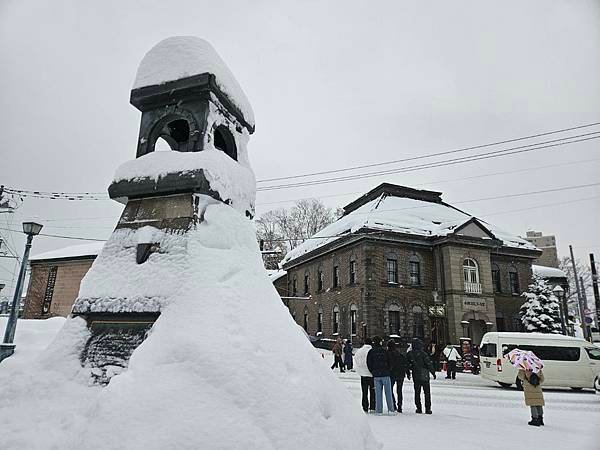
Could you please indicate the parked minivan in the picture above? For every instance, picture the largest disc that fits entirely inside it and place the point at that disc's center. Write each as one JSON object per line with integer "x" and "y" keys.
{"x": 568, "y": 361}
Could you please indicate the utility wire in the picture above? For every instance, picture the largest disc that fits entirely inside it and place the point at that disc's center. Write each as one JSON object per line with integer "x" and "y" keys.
{"x": 431, "y": 155}
{"x": 448, "y": 162}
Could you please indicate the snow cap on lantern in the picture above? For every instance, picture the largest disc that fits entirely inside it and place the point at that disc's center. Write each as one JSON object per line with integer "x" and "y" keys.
{"x": 190, "y": 99}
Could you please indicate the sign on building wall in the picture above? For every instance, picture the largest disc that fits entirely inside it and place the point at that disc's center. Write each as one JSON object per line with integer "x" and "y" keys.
{"x": 476, "y": 304}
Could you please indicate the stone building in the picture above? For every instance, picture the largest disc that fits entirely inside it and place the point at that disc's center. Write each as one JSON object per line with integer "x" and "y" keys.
{"x": 401, "y": 262}
{"x": 55, "y": 279}
{"x": 547, "y": 244}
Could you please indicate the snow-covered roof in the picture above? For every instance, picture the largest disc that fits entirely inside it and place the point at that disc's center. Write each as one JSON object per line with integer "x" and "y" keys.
{"x": 275, "y": 275}
{"x": 73, "y": 251}
{"x": 401, "y": 215}
{"x": 180, "y": 57}
{"x": 547, "y": 272}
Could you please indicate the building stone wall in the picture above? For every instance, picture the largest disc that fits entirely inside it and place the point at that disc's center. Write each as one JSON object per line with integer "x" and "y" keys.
{"x": 66, "y": 287}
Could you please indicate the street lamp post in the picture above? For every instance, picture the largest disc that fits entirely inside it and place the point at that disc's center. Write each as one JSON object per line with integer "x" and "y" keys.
{"x": 564, "y": 314}
{"x": 7, "y": 348}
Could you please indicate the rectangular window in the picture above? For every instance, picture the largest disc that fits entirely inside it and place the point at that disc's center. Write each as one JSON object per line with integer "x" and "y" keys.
{"x": 546, "y": 352}
{"x": 353, "y": 322}
{"x": 336, "y": 322}
{"x": 418, "y": 326}
{"x": 496, "y": 280}
{"x": 352, "y": 272}
{"x": 488, "y": 350}
{"x": 415, "y": 273}
{"x": 294, "y": 287}
{"x": 306, "y": 322}
{"x": 392, "y": 271}
{"x": 394, "y": 320}
{"x": 320, "y": 280}
{"x": 49, "y": 290}
{"x": 320, "y": 322}
{"x": 514, "y": 282}
{"x": 306, "y": 281}
{"x": 336, "y": 276}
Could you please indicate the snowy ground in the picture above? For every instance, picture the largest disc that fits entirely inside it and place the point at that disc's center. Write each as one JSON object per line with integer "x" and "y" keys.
{"x": 468, "y": 413}
{"x": 473, "y": 413}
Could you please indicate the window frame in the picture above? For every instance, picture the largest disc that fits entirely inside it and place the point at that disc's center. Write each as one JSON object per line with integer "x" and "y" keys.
{"x": 391, "y": 272}
{"x": 412, "y": 274}
{"x": 320, "y": 279}
{"x": 336, "y": 276}
{"x": 335, "y": 320}
{"x": 496, "y": 279}
{"x": 352, "y": 272}
{"x": 470, "y": 270}
{"x": 513, "y": 281}
{"x": 306, "y": 283}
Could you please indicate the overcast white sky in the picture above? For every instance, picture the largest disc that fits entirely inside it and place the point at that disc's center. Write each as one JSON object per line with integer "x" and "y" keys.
{"x": 333, "y": 84}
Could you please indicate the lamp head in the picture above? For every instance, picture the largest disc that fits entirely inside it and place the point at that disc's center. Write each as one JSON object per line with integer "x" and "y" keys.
{"x": 32, "y": 228}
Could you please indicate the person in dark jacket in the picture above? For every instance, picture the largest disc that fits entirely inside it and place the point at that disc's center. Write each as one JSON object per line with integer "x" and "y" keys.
{"x": 378, "y": 362}
{"x": 399, "y": 369}
{"x": 348, "y": 355}
{"x": 337, "y": 355}
{"x": 420, "y": 366}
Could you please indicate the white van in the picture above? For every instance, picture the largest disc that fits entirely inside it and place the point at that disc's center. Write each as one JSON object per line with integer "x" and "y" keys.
{"x": 568, "y": 361}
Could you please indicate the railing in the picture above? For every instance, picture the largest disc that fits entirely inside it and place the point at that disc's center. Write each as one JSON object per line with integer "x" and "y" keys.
{"x": 472, "y": 288}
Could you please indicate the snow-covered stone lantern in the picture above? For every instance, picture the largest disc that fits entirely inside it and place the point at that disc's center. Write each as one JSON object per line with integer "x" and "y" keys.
{"x": 188, "y": 98}
{"x": 177, "y": 324}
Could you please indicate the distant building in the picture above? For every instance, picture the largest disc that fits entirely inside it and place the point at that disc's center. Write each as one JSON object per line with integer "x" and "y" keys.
{"x": 55, "y": 279}
{"x": 547, "y": 244}
{"x": 401, "y": 262}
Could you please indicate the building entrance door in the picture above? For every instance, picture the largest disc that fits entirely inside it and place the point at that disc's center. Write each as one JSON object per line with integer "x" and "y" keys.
{"x": 477, "y": 329}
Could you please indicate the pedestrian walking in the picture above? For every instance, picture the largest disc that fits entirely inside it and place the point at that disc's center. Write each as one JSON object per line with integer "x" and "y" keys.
{"x": 378, "y": 362}
{"x": 420, "y": 367}
{"x": 399, "y": 370}
{"x": 348, "y": 355}
{"x": 337, "y": 355}
{"x": 452, "y": 356}
{"x": 367, "y": 385}
{"x": 534, "y": 397}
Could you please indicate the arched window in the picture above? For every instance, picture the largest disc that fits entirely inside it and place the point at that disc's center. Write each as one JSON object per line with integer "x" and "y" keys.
{"x": 336, "y": 319}
{"x": 224, "y": 141}
{"x": 393, "y": 313}
{"x": 320, "y": 320}
{"x": 320, "y": 279}
{"x": 471, "y": 276}
{"x": 496, "y": 278}
{"x": 294, "y": 286}
{"x": 353, "y": 317}
{"x": 306, "y": 283}
{"x": 513, "y": 280}
{"x": 305, "y": 321}
{"x": 418, "y": 322}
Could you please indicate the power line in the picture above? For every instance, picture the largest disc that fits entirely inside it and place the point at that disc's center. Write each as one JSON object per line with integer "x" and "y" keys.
{"x": 431, "y": 155}
{"x": 449, "y": 162}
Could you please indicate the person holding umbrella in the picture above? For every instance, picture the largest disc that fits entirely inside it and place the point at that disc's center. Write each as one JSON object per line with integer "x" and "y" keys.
{"x": 531, "y": 376}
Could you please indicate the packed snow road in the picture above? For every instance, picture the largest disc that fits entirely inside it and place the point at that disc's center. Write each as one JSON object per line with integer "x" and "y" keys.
{"x": 473, "y": 413}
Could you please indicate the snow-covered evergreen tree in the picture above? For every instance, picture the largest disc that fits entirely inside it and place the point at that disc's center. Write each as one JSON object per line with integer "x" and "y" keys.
{"x": 540, "y": 313}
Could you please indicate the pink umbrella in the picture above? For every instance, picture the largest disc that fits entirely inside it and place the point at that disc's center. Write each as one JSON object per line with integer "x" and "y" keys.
{"x": 525, "y": 359}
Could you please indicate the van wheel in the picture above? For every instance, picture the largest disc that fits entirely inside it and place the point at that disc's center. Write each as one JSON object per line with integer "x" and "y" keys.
{"x": 576, "y": 388}
{"x": 597, "y": 384}
{"x": 519, "y": 384}
{"x": 504, "y": 385}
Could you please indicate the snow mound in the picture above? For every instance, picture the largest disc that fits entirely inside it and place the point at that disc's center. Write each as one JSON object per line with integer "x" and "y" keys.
{"x": 548, "y": 272}
{"x": 225, "y": 366}
{"x": 185, "y": 56}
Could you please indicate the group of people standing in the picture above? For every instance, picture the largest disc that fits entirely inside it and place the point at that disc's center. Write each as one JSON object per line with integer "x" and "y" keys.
{"x": 342, "y": 355}
{"x": 381, "y": 369}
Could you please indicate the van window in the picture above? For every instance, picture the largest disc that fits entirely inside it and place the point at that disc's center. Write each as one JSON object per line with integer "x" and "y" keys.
{"x": 593, "y": 353}
{"x": 546, "y": 352}
{"x": 488, "y": 350}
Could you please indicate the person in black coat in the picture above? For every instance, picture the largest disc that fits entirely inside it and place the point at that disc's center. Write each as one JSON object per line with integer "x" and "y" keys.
{"x": 348, "y": 362}
{"x": 378, "y": 362}
{"x": 399, "y": 370}
{"x": 420, "y": 366}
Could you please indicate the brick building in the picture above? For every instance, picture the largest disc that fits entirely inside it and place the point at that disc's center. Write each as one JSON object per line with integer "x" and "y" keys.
{"x": 401, "y": 262}
{"x": 55, "y": 279}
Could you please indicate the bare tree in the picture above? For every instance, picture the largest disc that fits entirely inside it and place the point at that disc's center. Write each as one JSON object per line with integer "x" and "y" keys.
{"x": 285, "y": 229}
{"x": 585, "y": 273}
